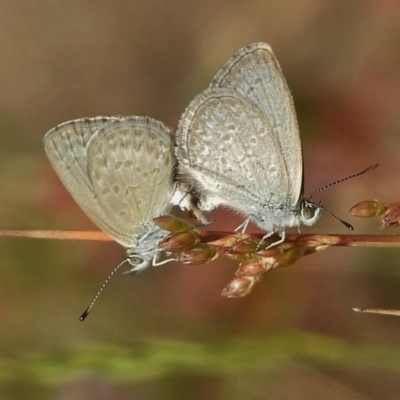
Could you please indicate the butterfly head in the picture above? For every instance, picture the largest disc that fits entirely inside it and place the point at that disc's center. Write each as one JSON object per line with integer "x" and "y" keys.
{"x": 273, "y": 219}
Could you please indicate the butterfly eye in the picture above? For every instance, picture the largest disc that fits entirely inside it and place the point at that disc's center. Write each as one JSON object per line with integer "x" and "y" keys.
{"x": 135, "y": 260}
{"x": 308, "y": 211}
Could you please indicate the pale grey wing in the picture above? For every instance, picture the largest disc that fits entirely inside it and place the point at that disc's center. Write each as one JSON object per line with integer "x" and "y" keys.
{"x": 225, "y": 149}
{"x": 254, "y": 72}
{"x": 130, "y": 165}
{"x": 66, "y": 148}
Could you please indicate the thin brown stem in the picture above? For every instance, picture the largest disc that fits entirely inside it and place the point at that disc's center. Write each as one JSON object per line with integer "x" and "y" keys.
{"x": 330, "y": 240}
{"x": 65, "y": 235}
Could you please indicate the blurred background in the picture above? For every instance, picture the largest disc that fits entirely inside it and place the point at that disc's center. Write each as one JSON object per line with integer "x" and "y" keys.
{"x": 167, "y": 333}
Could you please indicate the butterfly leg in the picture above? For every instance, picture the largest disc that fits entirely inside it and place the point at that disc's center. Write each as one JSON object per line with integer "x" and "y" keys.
{"x": 184, "y": 199}
{"x": 243, "y": 226}
{"x": 281, "y": 240}
{"x": 156, "y": 263}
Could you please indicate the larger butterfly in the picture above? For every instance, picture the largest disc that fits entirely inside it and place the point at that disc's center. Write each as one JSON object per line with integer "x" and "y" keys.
{"x": 238, "y": 145}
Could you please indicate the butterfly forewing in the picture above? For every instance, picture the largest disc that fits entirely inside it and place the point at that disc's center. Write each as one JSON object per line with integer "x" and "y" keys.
{"x": 254, "y": 72}
{"x": 130, "y": 168}
{"x": 216, "y": 147}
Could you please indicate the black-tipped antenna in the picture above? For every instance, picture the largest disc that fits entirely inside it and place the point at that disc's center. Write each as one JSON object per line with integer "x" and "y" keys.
{"x": 372, "y": 167}
{"x": 87, "y": 311}
{"x": 346, "y": 224}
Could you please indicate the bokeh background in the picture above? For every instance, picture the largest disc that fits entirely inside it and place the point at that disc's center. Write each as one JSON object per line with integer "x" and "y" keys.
{"x": 166, "y": 333}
